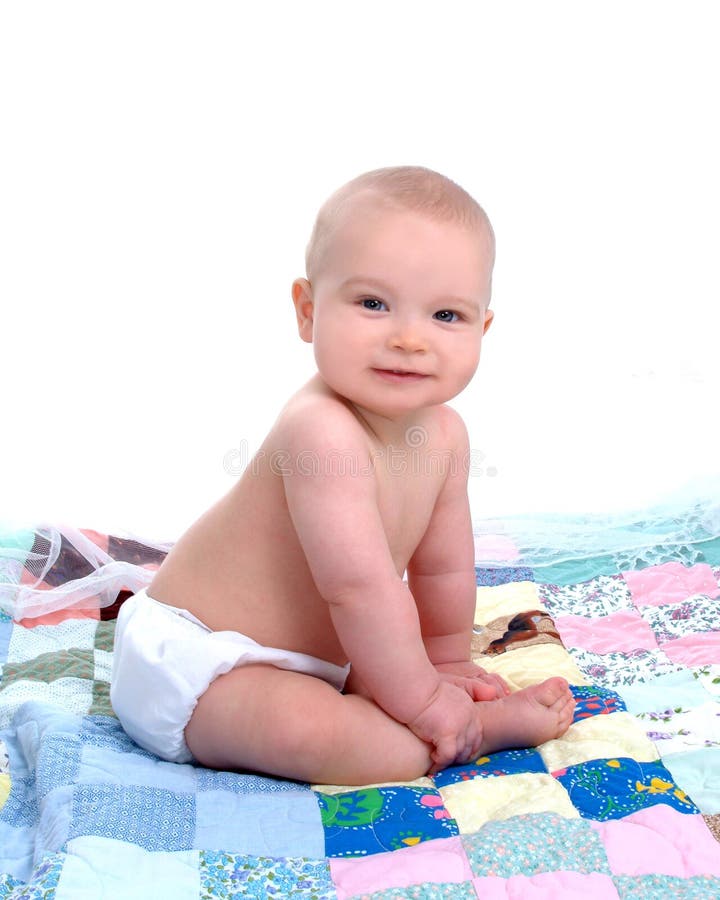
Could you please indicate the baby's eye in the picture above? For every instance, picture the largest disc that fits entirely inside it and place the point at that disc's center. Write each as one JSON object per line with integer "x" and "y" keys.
{"x": 373, "y": 303}
{"x": 446, "y": 315}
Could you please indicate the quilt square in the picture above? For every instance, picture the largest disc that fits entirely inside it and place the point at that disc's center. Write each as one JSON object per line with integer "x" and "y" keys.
{"x": 612, "y": 788}
{"x": 616, "y": 670}
{"x": 21, "y": 807}
{"x": 695, "y": 615}
{"x": 592, "y": 700}
{"x": 48, "y": 667}
{"x": 671, "y": 582}
{"x": 695, "y": 649}
{"x": 601, "y": 596}
{"x": 709, "y": 677}
{"x": 149, "y": 817}
{"x": 599, "y": 737}
{"x": 100, "y": 704}
{"x": 492, "y": 576}
{"x": 226, "y": 875}
{"x": 530, "y": 844}
{"x": 505, "y": 600}
{"x": 681, "y": 688}
{"x": 102, "y": 765}
{"x": 505, "y": 762}
{"x": 73, "y": 695}
{"x": 442, "y": 861}
{"x": 43, "y": 883}
{"x": 534, "y": 626}
{"x": 532, "y": 664}
{"x": 58, "y": 762}
{"x": 105, "y": 636}
{"x": 373, "y": 820}
{"x": 620, "y": 632}
{"x": 659, "y": 840}
{"x": 30, "y": 643}
{"x": 276, "y": 824}
{"x": 677, "y": 729}
{"x": 698, "y": 771}
{"x": 474, "y": 803}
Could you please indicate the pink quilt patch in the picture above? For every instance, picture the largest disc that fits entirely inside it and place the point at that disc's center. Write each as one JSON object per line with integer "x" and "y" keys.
{"x": 695, "y": 649}
{"x": 659, "y": 840}
{"x": 621, "y": 632}
{"x": 496, "y": 547}
{"x": 670, "y": 583}
{"x": 441, "y": 860}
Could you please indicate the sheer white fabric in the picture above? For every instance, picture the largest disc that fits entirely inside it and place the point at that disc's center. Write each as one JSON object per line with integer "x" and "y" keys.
{"x": 30, "y": 554}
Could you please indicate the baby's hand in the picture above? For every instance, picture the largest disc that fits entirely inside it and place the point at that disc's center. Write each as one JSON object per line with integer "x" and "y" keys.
{"x": 481, "y": 685}
{"x": 451, "y": 725}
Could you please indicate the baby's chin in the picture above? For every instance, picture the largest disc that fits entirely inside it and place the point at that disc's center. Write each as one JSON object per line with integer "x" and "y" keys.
{"x": 392, "y": 397}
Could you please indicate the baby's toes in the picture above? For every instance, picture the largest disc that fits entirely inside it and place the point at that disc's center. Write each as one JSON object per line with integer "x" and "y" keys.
{"x": 565, "y": 714}
{"x": 554, "y": 693}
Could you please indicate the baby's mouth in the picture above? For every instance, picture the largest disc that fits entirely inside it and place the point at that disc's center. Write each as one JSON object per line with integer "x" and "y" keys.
{"x": 400, "y": 374}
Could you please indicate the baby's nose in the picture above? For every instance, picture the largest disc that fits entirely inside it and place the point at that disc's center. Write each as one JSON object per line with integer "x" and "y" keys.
{"x": 408, "y": 337}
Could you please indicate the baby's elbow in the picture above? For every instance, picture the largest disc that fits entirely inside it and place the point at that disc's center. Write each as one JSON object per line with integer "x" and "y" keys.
{"x": 362, "y": 591}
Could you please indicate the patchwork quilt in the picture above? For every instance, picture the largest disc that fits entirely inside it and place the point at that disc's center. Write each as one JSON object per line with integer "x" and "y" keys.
{"x": 626, "y": 804}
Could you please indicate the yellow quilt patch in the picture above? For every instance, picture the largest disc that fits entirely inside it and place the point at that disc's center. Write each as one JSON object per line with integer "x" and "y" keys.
{"x": 474, "y": 803}
{"x": 599, "y": 737}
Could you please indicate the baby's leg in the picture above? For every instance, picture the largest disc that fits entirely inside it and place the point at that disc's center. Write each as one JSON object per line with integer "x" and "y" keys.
{"x": 295, "y": 726}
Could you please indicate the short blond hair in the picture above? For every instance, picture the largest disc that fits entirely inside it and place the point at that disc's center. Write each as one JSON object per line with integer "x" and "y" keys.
{"x": 413, "y": 188}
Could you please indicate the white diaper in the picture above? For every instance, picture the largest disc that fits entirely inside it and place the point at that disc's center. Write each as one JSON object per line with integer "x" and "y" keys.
{"x": 164, "y": 661}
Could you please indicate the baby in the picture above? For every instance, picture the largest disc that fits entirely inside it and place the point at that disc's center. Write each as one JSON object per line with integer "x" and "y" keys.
{"x": 279, "y": 635}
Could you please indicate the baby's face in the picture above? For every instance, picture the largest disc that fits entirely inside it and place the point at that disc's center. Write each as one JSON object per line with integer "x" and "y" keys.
{"x": 398, "y": 311}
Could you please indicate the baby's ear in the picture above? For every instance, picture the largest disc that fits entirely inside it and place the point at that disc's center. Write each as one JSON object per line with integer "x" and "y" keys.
{"x": 303, "y": 300}
{"x": 489, "y": 316}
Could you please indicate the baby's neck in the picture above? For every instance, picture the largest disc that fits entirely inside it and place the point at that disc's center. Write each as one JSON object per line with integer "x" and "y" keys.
{"x": 392, "y": 432}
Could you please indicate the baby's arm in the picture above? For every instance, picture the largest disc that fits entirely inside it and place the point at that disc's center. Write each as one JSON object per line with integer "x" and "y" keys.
{"x": 333, "y": 506}
{"x": 441, "y": 573}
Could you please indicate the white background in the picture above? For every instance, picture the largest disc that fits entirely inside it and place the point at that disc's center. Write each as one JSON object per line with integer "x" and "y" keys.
{"x": 161, "y": 167}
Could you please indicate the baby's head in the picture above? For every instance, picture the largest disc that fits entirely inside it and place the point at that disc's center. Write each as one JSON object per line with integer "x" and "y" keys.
{"x": 411, "y": 188}
{"x": 395, "y": 303}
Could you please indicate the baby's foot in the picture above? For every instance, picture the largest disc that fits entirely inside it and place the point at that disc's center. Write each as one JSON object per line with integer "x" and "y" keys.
{"x": 527, "y": 718}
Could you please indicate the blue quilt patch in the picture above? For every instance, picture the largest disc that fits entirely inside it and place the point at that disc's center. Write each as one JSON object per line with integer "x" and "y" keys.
{"x": 152, "y": 818}
{"x": 373, "y": 820}
{"x": 612, "y": 788}
{"x": 492, "y": 576}
{"x": 505, "y": 762}
{"x": 227, "y": 875}
{"x": 592, "y": 700}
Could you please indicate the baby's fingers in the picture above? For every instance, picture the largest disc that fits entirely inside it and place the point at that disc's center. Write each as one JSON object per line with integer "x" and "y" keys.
{"x": 444, "y": 755}
{"x": 503, "y": 689}
{"x": 454, "y": 751}
{"x": 480, "y": 689}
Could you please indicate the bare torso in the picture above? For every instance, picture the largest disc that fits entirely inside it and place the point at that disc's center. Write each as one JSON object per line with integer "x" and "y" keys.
{"x": 240, "y": 567}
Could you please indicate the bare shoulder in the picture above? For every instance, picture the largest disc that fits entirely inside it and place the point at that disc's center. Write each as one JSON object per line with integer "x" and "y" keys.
{"x": 317, "y": 419}
{"x": 450, "y": 428}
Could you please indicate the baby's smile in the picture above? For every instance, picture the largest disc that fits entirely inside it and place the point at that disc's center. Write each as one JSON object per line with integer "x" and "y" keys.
{"x": 400, "y": 375}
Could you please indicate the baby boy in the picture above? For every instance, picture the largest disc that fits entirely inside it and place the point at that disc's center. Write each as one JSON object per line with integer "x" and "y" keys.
{"x": 279, "y": 634}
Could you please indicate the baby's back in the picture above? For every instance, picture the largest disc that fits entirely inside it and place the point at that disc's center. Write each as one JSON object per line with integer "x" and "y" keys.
{"x": 241, "y": 566}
